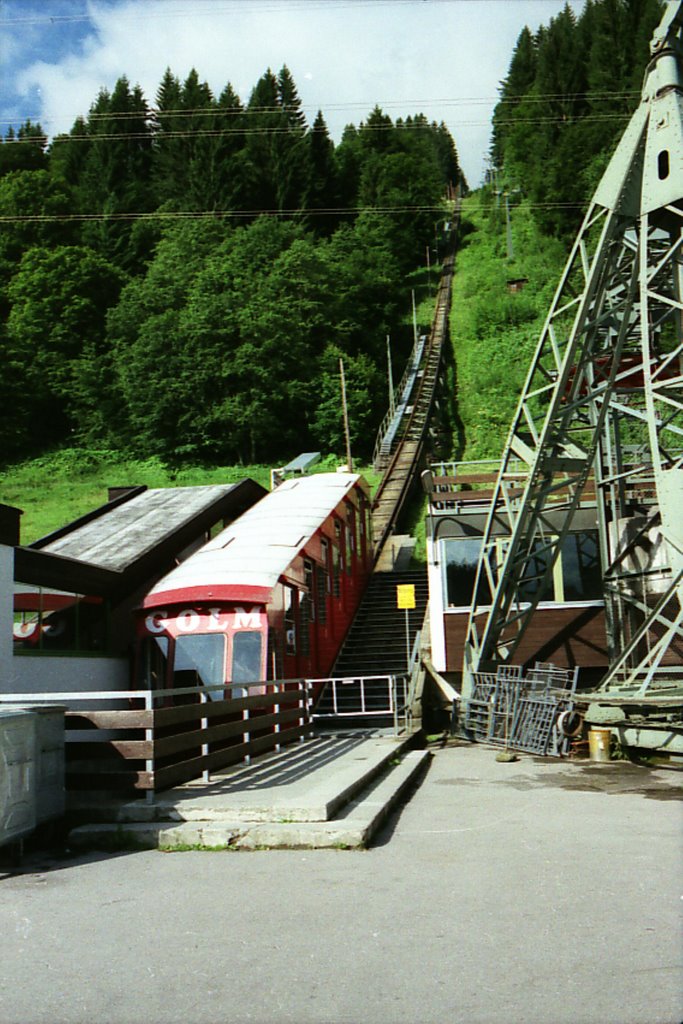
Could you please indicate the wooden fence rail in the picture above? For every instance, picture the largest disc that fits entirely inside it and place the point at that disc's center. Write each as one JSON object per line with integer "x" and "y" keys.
{"x": 153, "y": 747}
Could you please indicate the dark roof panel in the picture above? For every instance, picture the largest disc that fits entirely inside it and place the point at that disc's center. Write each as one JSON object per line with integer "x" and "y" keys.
{"x": 130, "y": 530}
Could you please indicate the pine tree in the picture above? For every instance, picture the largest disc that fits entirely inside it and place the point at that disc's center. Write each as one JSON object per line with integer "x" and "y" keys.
{"x": 230, "y": 147}
{"x": 116, "y": 169}
{"x": 518, "y": 84}
{"x": 323, "y": 186}
{"x": 276, "y": 150}
{"x": 168, "y": 150}
{"x": 23, "y": 150}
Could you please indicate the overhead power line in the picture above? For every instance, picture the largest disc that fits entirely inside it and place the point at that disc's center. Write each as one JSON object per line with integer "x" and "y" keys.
{"x": 239, "y": 111}
{"x": 163, "y": 135}
{"x": 250, "y": 214}
{"x": 229, "y": 6}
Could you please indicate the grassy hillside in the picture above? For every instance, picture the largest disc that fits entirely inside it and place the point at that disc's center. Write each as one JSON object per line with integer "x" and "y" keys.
{"x": 494, "y": 332}
{"x": 57, "y": 488}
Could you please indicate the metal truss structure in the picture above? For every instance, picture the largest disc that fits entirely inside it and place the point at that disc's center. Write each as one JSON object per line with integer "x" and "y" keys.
{"x": 602, "y": 406}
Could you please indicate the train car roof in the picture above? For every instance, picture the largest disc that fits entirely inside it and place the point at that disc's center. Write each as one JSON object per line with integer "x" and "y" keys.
{"x": 247, "y": 559}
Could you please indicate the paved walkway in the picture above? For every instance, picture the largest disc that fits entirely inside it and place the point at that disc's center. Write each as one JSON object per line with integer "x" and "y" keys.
{"x": 525, "y": 893}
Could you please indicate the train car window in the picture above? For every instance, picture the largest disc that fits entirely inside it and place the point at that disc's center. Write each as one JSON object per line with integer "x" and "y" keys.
{"x": 322, "y": 586}
{"x": 350, "y": 539}
{"x": 336, "y": 559}
{"x": 325, "y": 554}
{"x": 360, "y": 519}
{"x": 275, "y": 654}
{"x": 153, "y": 662}
{"x": 309, "y": 582}
{"x": 306, "y": 608}
{"x": 247, "y": 647}
{"x": 290, "y": 620}
{"x": 199, "y": 660}
{"x": 305, "y": 613}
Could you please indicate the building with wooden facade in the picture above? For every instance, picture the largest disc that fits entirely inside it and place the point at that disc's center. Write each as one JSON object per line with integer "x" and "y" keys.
{"x": 568, "y": 626}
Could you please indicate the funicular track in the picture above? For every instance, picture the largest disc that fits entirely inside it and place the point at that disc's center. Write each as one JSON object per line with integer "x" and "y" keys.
{"x": 408, "y": 447}
{"x": 378, "y": 642}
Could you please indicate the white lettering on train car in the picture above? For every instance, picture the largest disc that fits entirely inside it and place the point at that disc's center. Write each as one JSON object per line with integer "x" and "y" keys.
{"x": 187, "y": 621}
{"x": 155, "y": 622}
{"x": 247, "y": 620}
{"x": 215, "y": 621}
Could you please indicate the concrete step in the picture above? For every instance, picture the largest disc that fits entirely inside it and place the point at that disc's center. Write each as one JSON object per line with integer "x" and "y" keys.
{"x": 340, "y": 803}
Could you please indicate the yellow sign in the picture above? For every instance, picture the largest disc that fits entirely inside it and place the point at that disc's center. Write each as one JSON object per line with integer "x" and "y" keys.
{"x": 405, "y": 595}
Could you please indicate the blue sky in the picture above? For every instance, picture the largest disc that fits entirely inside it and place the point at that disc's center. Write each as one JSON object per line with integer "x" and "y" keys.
{"x": 443, "y": 58}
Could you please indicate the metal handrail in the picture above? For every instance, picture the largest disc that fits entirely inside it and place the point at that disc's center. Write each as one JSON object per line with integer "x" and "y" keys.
{"x": 404, "y": 390}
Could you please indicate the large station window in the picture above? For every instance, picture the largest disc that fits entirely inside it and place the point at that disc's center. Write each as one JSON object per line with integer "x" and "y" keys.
{"x": 57, "y": 622}
{"x": 534, "y": 571}
{"x": 575, "y": 577}
{"x": 581, "y": 572}
{"x": 460, "y": 558}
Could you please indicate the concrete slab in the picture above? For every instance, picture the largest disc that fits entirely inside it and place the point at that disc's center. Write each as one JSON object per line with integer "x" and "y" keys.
{"x": 352, "y": 829}
{"x": 304, "y": 782}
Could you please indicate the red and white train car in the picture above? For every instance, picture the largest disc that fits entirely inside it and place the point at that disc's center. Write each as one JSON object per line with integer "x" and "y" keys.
{"x": 270, "y": 597}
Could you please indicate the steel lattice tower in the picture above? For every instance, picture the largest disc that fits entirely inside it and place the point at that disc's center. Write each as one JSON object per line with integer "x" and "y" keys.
{"x": 603, "y": 399}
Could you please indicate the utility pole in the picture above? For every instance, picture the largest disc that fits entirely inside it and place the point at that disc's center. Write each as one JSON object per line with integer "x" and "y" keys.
{"x": 508, "y": 228}
{"x": 392, "y": 404}
{"x": 345, "y": 411}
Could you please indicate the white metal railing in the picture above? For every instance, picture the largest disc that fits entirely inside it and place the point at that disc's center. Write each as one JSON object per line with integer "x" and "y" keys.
{"x": 451, "y": 468}
{"x": 367, "y": 697}
{"x": 389, "y": 424}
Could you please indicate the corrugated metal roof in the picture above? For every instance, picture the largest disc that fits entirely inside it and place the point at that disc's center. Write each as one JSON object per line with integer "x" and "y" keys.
{"x": 257, "y": 548}
{"x": 127, "y": 532}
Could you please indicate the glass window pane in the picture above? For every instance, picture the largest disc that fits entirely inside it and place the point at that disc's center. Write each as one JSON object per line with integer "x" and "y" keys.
{"x": 581, "y": 567}
{"x": 322, "y": 588}
{"x": 290, "y": 621}
{"x": 246, "y": 656}
{"x": 199, "y": 659}
{"x": 534, "y": 570}
{"x": 461, "y": 557}
{"x": 153, "y": 660}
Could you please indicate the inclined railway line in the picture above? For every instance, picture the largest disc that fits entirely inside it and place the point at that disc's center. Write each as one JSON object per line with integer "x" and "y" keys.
{"x": 409, "y": 442}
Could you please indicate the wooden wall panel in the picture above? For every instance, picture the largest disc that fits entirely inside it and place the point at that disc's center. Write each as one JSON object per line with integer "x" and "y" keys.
{"x": 564, "y": 636}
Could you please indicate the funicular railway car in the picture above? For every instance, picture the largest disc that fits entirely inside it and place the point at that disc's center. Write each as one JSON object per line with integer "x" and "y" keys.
{"x": 270, "y": 597}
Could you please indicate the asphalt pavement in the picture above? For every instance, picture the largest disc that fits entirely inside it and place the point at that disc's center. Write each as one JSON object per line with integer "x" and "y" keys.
{"x": 536, "y": 892}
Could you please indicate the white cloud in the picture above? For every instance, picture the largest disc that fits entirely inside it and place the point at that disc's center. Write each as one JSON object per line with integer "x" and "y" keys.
{"x": 344, "y": 57}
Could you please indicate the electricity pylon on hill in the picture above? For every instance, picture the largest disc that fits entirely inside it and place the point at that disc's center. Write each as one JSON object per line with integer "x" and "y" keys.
{"x": 604, "y": 398}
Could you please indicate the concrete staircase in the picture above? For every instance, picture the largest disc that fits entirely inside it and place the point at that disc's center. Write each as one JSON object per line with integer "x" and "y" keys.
{"x": 331, "y": 791}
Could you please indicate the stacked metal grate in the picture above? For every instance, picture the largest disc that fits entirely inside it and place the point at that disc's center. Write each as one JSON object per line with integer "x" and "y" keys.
{"x": 533, "y": 712}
